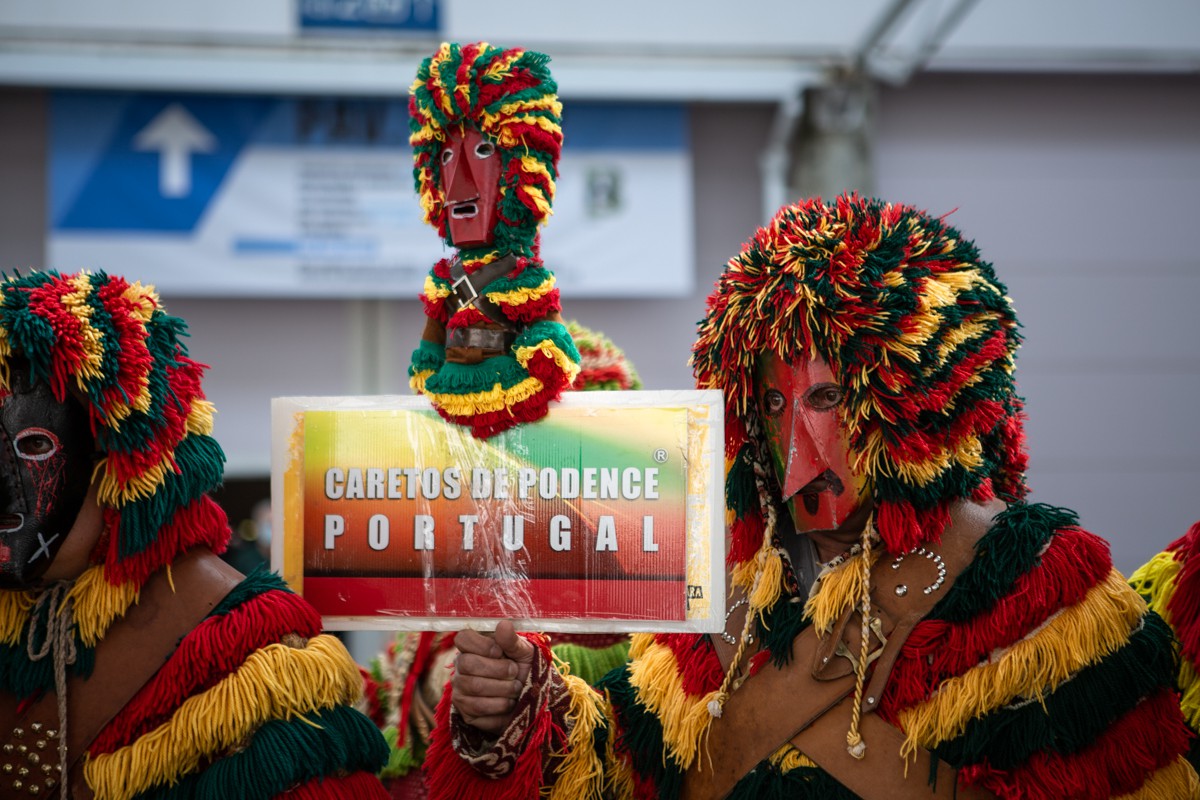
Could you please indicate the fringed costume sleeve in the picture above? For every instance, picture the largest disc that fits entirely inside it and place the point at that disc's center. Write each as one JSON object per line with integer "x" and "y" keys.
{"x": 1170, "y": 584}
{"x": 255, "y": 702}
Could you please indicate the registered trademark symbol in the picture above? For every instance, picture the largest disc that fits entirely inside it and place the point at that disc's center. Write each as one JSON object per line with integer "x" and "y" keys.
{"x": 660, "y": 455}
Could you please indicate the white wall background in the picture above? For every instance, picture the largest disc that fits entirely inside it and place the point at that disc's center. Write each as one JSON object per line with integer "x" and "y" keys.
{"x": 1080, "y": 185}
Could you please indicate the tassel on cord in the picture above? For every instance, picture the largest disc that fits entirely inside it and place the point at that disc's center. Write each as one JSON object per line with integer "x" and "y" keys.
{"x": 854, "y": 741}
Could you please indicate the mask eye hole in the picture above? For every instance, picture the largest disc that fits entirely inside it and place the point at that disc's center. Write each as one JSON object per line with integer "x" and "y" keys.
{"x": 36, "y": 444}
{"x": 484, "y": 150}
{"x": 774, "y": 403}
{"x": 824, "y": 396}
{"x": 447, "y": 156}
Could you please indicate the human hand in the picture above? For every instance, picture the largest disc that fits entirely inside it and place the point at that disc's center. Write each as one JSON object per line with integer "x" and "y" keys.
{"x": 490, "y": 673}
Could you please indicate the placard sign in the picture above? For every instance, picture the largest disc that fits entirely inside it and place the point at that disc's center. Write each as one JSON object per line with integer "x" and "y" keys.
{"x": 606, "y": 515}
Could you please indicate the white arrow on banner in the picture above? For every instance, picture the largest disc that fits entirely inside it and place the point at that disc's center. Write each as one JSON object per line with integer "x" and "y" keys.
{"x": 175, "y": 134}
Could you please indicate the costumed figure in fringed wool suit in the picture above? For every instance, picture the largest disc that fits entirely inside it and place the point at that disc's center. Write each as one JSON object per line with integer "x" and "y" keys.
{"x": 875, "y": 464}
{"x": 486, "y": 137}
{"x": 402, "y": 686}
{"x": 134, "y": 663}
{"x": 1170, "y": 583}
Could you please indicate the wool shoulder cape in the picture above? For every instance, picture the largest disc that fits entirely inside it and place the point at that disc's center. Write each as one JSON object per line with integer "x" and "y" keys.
{"x": 1040, "y": 674}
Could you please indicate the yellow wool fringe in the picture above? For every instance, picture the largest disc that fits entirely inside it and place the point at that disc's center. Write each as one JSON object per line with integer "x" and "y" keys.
{"x": 580, "y": 772}
{"x": 435, "y": 291}
{"x": 655, "y": 676}
{"x": 14, "y": 610}
{"x": 968, "y": 452}
{"x": 200, "y": 417}
{"x": 788, "y": 758}
{"x": 1032, "y": 668}
{"x": 539, "y": 200}
{"x": 1156, "y": 578}
{"x": 276, "y": 682}
{"x": 618, "y": 777}
{"x": 838, "y": 590}
{"x": 1175, "y": 781}
{"x": 517, "y": 297}
{"x": 92, "y": 341}
{"x": 140, "y": 486}
{"x": 464, "y": 405}
{"x": 417, "y": 381}
{"x": 564, "y": 362}
{"x": 96, "y": 605}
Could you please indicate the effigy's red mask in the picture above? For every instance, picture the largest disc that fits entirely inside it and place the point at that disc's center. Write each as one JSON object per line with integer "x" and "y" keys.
{"x": 471, "y": 187}
{"x": 46, "y": 459}
{"x": 798, "y": 404}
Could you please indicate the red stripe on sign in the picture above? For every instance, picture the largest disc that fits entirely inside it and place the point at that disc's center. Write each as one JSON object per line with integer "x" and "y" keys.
{"x": 542, "y": 598}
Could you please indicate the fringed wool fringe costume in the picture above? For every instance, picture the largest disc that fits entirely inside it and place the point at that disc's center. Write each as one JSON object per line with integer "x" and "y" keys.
{"x": 1170, "y": 583}
{"x": 509, "y": 96}
{"x": 255, "y": 701}
{"x": 1039, "y": 673}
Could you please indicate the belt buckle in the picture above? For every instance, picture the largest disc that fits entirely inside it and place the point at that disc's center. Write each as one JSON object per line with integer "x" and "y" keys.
{"x": 468, "y": 301}
{"x": 877, "y": 628}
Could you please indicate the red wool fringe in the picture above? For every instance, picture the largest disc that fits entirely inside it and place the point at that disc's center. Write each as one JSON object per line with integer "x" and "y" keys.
{"x": 133, "y": 357}
{"x": 67, "y": 353}
{"x": 936, "y": 650}
{"x": 170, "y": 425}
{"x": 214, "y": 649}
{"x": 355, "y": 786}
{"x": 200, "y": 523}
{"x": 1148, "y": 738}
{"x": 745, "y": 537}
{"x": 902, "y": 527}
{"x": 371, "y": 696}
{"x": 696, "y": 662}
{"x": 1183, "y": 609}
{"x": 415, "y": 671}
{"x": 452, "y": 778}
{"x": 534, "y": 310}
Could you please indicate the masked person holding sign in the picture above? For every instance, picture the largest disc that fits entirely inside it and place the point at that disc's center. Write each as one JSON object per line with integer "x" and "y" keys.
{"x": 901, "y": 623}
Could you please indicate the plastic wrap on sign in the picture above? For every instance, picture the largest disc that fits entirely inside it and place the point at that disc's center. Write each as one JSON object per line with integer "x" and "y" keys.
{"x": 607, "y": 515}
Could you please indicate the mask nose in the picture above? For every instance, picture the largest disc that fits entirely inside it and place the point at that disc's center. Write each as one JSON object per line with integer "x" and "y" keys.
{"x": 804, "y": 455}
{"x": 462, "y": 184}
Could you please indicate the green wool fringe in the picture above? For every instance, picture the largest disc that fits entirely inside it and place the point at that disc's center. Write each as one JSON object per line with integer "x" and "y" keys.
{"x": 641, "y": 735}
{"x": 472, "y": 378}
{"x": 428, "y": 357}
{"x": 547, "y": 330}
{"x": 200, "y": 461}
{"x": 258, "y": 582}
{"x": 767, "y": 782}
{"x": 401, "y": 760}
{"x": 592, "y": 663}
{"x": 741, "y": 492}
{"x": 1010, "y": 549}
{"x": 282, "y": 754}
{"x": 24, "y": 678}
{"x": 1078, "y": 712}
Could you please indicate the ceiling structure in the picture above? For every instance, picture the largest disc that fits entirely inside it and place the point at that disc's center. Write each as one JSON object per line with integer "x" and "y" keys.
{"x": 766, "y": 51}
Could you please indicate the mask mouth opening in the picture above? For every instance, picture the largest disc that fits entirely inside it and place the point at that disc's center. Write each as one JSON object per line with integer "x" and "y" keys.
{"x": 468, "y": 209}
{"x": 11, "y": 522}
{"x": 810, "y": 493}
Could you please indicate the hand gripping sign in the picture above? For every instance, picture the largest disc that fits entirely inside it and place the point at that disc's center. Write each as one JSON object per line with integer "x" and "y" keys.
{"x": 606, "y": 515}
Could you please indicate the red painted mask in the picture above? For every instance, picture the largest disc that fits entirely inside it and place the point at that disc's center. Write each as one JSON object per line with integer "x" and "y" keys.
{"x": 471, "y": 187}
{"x": 45, "y": 470}
{"x": 798, "y": 404}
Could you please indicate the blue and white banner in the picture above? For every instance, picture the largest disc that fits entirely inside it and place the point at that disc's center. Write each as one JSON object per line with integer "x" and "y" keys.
{"x": 293, "y": 197}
